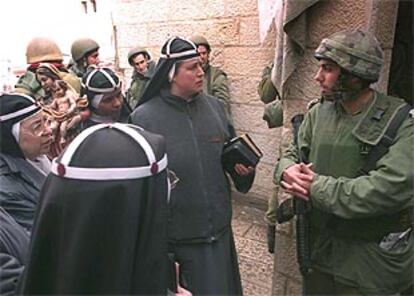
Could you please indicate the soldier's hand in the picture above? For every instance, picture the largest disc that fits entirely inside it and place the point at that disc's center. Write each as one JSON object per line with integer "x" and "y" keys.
{"x": 297, "y": 179}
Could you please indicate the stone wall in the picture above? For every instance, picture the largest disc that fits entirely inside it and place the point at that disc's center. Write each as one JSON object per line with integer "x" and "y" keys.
{"x": 232, "y": 28}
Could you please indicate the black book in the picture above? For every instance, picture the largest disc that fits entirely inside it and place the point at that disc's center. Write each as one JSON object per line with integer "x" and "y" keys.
{"x": 242, "y": 150}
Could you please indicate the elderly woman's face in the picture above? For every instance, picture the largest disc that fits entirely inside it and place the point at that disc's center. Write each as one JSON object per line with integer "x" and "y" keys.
{"x": 47, "y": 83}
{"x": 35, "y": 136}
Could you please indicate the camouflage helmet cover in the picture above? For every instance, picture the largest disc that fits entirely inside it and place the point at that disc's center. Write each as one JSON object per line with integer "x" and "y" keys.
{"x": 81, "y": 47}
{"x": 356, "y": 51}
{"x": 41, "y": 49}
{"x": 200, "y": 40}
{"x": 135, "y": 51}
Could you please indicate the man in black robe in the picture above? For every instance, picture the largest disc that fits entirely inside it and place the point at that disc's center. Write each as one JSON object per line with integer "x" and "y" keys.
{"x": 195, "y": 127}
{"x": 101, "y": 223}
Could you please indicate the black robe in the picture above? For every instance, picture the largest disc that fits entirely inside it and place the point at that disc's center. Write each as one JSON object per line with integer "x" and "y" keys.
{"x": 199, "y": 229}
{"x": 14, "y": 244}
{"x": 101, "y": 237}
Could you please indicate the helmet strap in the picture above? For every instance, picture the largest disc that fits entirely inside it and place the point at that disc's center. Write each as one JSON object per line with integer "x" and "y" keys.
{"x": 343, "y": 90}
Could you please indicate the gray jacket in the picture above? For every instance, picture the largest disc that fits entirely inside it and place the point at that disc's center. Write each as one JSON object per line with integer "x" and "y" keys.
{"x": 20, "y": 185}
{"x": 195, "y": 132}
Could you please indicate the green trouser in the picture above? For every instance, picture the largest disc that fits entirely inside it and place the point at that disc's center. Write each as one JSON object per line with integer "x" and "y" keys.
{"x": 272, "y": 205}
{"x": 320, "y": 283}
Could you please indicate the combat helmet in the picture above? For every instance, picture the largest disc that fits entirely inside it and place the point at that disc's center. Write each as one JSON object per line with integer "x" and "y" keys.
{"x": 41, "y": 49}
{"x": 135, "y": 51}
{"x": 356, "y": 51}
{"x": 200, "y": 40}
{"x": 82, "y": 47}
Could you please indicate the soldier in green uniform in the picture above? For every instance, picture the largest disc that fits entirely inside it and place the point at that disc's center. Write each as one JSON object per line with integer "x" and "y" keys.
{"x": 39, "y": 50}
{"x": 360, "y": 223}
{"x": 140, "y": 59}
{"x": 215, "y": 79}
{"x": 85, "y": 52}
{"x": 273, "y": 115}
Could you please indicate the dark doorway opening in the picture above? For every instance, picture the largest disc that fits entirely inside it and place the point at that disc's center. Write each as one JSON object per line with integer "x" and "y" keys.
{"x": 401, "y": 72}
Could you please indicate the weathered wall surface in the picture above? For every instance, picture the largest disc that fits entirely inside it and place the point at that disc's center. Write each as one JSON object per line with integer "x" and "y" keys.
{"x": 232, "y": 28}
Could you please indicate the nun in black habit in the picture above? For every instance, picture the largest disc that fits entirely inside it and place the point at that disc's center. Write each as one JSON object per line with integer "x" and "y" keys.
{"x": 101, "y": 224}
{"x": 24, "y": 141}
{"x": 195, "y": 128}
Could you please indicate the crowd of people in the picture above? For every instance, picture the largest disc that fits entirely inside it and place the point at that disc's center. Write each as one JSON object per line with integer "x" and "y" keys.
{"x": 105, "y": 192}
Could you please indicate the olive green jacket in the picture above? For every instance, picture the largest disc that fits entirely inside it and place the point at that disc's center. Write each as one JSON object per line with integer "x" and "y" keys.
{"x": 216, "y": 84}
{"x": 28, "y": 84}
{"x": 138, "y": 84}
{"x": 338, "y": 144}
{"x": 266, "y": 89}
{"x": 76, "y": 69}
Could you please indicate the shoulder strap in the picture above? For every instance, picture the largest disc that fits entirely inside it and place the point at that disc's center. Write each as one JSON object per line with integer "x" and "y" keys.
{"x": 386, "y": 141}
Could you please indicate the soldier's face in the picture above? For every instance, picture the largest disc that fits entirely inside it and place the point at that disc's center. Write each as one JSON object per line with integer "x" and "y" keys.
{"x": 327, "y": 75}
{"x": 204, "y": 54}
{"x": 140, "y": 64}
{"x": 188, "y": 79}
{"x": 93, "y": 58}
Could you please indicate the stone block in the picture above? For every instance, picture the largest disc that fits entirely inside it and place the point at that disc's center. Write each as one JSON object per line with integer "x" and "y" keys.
{"x": 328, "y": 17}
{"x": 249, "y": 31}
{"x": 249, "y": 118}
{"x": 189, "y": 9}
{"x": 256, "y": 272}
{"x": 264, "y": 176}
{"x": 245, "y": 61}
{"x": 257, "y": 233}
{"x": 240, "y": 227}
{"x": 279, "y": 284}
{"x": 384, "y": 21}
{"x": 285, "y": 259}
{"x": 240, "y": 8}
{"x": 140, "y": 12}
{"x": 257, "y": 250}
{"x": 302, "y": 83}
{"x": 253, "y": 289}
{"x": 269, "y": 145}
{"x": 217, "y": 31}
{"x": 130, "y": 35}
{"x": 260, "y": 192}
{"x": 244, "y": 89}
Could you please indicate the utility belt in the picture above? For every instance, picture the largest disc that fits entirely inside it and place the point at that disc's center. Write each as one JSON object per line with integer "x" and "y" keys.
{"x": 372, "y": 229}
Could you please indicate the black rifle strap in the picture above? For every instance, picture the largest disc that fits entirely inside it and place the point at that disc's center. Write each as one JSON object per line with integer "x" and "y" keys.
{"x": 386, "y": 141}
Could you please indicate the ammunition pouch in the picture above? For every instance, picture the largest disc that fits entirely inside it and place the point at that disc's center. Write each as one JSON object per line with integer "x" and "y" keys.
{"x": 372, "y": 229}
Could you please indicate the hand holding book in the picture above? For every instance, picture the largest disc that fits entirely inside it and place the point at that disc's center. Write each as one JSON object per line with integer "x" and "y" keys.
{"x": 241, "y": 155}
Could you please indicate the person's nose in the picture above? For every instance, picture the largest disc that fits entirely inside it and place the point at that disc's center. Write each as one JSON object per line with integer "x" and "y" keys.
{"x": 117, "y": 102}
{"x": 200, "y": 71}
{"x": 319, "y": 77}
{"x": 47, "y": 131}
